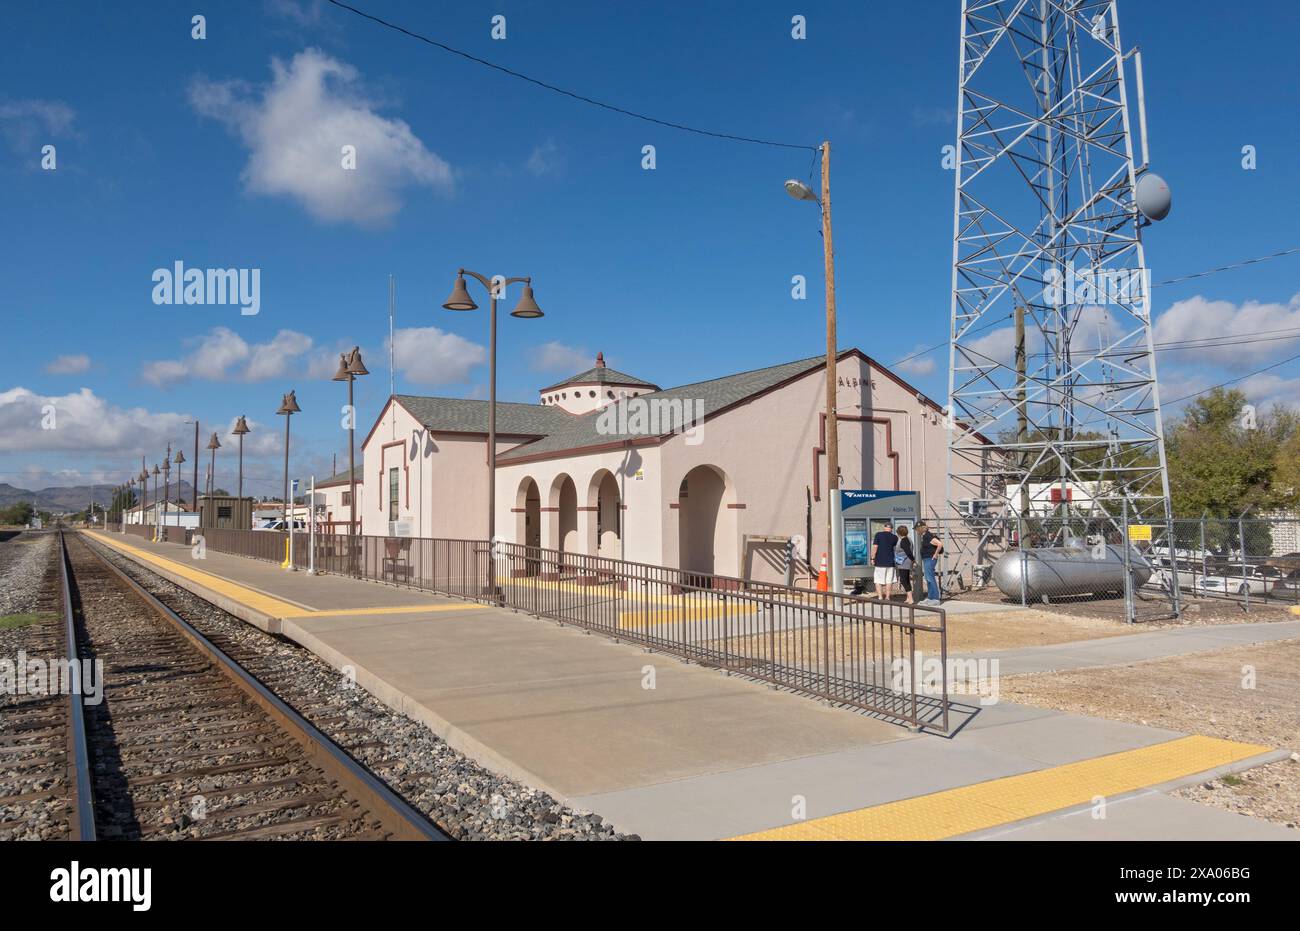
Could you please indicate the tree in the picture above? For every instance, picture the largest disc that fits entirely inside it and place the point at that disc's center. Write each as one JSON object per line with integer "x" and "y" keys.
{"x": 1223, "y": 456}
{"x": 20, "y": 513}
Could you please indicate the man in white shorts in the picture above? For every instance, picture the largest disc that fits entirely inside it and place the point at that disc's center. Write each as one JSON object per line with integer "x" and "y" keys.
{"x": 882, "y": 559}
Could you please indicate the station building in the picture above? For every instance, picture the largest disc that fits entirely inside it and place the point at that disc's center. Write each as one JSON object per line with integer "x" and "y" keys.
{"x": 710, "y": 477}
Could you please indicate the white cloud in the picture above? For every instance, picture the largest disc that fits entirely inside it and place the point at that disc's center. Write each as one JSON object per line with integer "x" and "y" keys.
{"x": 546, "y": 159}
{"x": 223, "y": 355}
{"x": 557, "y": 357}
{"x": 919, "y": 365}
{"x": 296, "y": 131}
{"x": 430, "y": 356}
{"x": 68, "y": 365}
{"x": 80, "y": 422}
{"x": 28, "y": 124}
{"x": 1198, "y": 318}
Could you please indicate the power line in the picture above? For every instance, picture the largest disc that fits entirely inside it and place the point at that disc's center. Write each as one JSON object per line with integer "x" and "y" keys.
{"x": 1233, "y": 381}
{"x": 1168, "y": 281}
{"x": 560, "y": 90}
{"x": 1224, "y": 268}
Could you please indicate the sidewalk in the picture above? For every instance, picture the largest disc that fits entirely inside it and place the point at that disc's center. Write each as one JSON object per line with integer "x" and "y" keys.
{"x": 669, "y": 750}
{"x": 1135, "y": 648}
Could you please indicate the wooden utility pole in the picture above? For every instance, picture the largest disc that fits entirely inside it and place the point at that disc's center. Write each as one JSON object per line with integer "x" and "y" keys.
{"x": 1022, "y": 412}
{"x": 832, "y": 354}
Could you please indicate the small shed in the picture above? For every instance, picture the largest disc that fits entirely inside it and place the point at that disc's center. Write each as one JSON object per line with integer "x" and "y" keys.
{"x": 226, "y": 512}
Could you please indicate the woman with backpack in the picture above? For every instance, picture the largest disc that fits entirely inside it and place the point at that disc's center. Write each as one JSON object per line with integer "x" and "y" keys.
{"x": 904, "y": 560}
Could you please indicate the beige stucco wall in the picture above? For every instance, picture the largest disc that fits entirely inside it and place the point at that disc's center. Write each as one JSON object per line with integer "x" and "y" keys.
{"x": 763, "y": 447}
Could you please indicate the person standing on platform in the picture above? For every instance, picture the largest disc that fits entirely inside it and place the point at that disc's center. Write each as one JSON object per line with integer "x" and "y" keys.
{"x": 882, "y": 559}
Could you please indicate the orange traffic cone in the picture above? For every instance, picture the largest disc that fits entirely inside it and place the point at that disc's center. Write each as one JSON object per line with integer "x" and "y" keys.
{"x": 823, "y": 582}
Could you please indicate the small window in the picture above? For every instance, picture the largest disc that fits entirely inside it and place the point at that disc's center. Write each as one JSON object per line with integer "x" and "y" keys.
{"x": 610, "y": 393}
{"x": 392, "y": 493}
{"x": 593, "y": 394}
{"x": 347, "y": 499}
{"x": 223, "y": 511}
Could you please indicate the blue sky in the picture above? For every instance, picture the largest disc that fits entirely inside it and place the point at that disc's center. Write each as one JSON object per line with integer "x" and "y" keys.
{"x": 171, "y": 149}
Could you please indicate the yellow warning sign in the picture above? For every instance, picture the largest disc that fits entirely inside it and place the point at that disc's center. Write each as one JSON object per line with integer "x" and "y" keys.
{"x": 1139, "y": 533}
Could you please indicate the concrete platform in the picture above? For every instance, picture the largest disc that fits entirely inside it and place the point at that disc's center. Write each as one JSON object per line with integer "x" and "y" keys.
{"x": 661, "y": 748}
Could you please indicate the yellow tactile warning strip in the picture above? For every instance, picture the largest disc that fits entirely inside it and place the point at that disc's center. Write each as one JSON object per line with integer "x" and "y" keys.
{"x": 651, "y": 617}
{"x": 259, "y": 601}
{"x": 1014, "y": 798}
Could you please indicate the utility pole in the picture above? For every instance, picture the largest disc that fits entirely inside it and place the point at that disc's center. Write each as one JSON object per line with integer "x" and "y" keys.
{"x": 194, "y": 489}
{"x": 832, "y": 355}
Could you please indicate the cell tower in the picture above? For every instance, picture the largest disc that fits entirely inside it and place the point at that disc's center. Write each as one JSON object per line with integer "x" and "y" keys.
{"x": 1052, "y": 375}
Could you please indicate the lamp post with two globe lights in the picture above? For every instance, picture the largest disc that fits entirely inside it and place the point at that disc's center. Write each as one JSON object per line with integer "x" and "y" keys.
{"x": 526, "y": 309}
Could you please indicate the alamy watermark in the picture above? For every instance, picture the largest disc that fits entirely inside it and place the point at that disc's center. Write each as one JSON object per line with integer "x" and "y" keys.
{"x": 26, "y": 675}
{"x": 181, "y": 285}
{"x": 638, "y": 416}
{"x": 927, "y": 675}
{"x": 1097, "y": 286}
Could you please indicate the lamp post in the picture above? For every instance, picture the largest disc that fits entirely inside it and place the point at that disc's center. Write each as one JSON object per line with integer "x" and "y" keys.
{"x": 144, "y": 492}
{"x": 156, "y": 472}
{"x": 800, "y": 191}
{"x": 179, "y": 460}
{"x": 194, "y": 488}
{"x": 130, "y": 493}
{"x": 241, "y": 428}
{"x": 288, "y": 407}
{"x": 527, "y": 309}
{"x": 350, "y": 368}
{"x": 214, "y": 444}
{"x": 167, "y": 481}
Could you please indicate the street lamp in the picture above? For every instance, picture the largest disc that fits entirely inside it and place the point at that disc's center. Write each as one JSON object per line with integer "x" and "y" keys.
{"x": 241, "y": 428}
{"x": 130, "y": 493}
{"x": 167, "y": 480}
{"x": 214, "y": 444}
{"x": 179, "y": 460}
{"x": 288, "y": 407}
{"x": 156, "y": 473}
{"x": 526, "y": 308}
{"x": 350, "y": 368}
{"x": 800, "y": 191}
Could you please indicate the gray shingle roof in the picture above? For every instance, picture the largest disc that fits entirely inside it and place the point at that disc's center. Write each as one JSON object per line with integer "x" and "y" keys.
{"x": 602, "y": 375}
{"x": 341, "y": 478}
{"x": 466, "y": 415}
{"x": 575, "y": 432}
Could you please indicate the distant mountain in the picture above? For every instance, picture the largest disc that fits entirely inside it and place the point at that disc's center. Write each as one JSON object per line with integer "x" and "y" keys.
{"x": 73, "y": 498}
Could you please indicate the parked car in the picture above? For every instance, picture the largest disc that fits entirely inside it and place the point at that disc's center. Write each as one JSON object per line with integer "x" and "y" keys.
{"x": 280, "y": 525}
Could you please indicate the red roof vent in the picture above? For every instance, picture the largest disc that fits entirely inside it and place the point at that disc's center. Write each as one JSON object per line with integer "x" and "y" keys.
{"x": 600, "y": 360}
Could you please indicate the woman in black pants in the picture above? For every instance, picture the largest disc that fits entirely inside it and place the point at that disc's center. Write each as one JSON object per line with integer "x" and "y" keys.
{"x": 905, "y": 575}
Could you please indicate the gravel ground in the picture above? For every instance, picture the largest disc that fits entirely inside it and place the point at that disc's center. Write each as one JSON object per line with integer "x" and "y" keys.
{"x": 466, "y": 800}
{"x": 22, "y": 564}
{"x": 1201, "y": 693}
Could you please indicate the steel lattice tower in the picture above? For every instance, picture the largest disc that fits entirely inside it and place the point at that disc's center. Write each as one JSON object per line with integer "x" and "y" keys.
{"x": 1060, "y": 378}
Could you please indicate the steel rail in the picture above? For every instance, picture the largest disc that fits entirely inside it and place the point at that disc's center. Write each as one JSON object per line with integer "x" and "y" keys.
{"x": 82, "y": 814}
{"x": 391, "y": 810}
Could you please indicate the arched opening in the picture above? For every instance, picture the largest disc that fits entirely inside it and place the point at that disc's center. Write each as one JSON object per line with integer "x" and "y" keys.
{"x": 604, "y": 515}
{"x": 563, "y": 503}
{"x": 528, "y": 523}
{"x": 706, "y": 525}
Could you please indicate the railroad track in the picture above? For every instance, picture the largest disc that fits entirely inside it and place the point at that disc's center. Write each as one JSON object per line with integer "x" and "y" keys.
{"x": 42, "y": 748}
{"x": 186, "y": 744}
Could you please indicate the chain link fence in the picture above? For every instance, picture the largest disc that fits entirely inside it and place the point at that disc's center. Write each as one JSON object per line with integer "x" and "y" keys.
{"x": 1123, "y": 568}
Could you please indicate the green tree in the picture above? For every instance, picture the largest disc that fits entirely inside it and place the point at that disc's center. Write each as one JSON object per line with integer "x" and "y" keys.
{"x": 1223, "y": 456}
{"x": 19, "y": 513}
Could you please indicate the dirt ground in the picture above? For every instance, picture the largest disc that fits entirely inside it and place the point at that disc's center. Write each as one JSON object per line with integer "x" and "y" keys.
{"x": 1003, "y": 630}
{"x": 1202, "y": 693}
{"x": 1195, "y": 610}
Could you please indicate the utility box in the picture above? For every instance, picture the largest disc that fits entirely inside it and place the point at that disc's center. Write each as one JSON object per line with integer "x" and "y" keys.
{"x": 225, "y": 512}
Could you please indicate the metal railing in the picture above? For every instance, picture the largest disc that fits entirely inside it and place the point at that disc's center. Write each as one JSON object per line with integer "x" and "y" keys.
{"x": 256, "y": 544}
{"x": 847, "y": 650}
